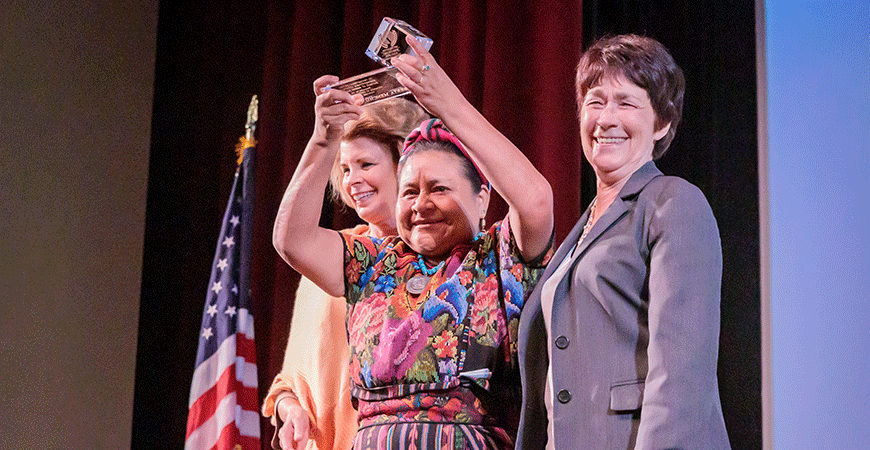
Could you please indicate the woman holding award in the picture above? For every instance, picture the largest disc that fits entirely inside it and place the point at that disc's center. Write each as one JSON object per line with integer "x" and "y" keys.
{"x": 310, "y": 397}
{"x": 433, "y": 311}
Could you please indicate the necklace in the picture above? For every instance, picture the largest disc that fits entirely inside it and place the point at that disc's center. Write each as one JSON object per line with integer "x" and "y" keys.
{"x": 420, "y": 264}
{"x": 588, "y": 225}
{"x": 418, "y": 282}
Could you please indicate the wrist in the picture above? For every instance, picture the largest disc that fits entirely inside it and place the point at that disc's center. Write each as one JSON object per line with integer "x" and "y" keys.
{"x": 324, "y": 145}
{"x": 286, "y": 395}
{"x": 326, "y": 133}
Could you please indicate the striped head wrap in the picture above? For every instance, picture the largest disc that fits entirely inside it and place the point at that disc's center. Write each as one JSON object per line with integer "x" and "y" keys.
{"x": 434, "y": 130}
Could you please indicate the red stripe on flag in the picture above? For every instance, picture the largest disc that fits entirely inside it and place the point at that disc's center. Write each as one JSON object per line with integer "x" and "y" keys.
{"x": 205, "y": 406}
{"x": 234, "y": 346}
{"x": 247, "y": 397}
{"x": 245, "y": 348}
{"x": 230, "y": 437}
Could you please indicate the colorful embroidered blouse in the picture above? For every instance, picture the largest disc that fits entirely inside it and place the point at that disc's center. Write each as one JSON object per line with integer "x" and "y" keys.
{"x": 438, "y": 368}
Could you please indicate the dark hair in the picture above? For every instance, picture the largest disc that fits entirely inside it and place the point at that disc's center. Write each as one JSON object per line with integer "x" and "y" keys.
{"x": 468, "y": 168}
{"x": 645, "y": 62}
{"x": 386, "y": 123}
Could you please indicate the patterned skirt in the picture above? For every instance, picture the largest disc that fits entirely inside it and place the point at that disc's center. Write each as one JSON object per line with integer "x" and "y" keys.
{"x": 430, "y": 435}
{"x": 442, "y": 416}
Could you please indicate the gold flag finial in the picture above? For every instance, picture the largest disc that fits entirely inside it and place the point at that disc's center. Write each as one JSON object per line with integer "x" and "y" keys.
{"x": 250, "y": 126}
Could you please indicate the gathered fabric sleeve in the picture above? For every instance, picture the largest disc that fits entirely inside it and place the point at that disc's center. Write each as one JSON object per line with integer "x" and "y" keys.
{"x": 685, "y": 270}
{"x": 315, "y": 368}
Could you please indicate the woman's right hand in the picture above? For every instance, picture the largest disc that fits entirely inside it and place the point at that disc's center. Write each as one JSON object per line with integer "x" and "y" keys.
{"x": 293, "y": 434}
{"x": 333, "y": 108}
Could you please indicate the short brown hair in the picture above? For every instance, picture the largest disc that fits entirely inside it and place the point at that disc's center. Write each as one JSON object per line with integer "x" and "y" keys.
{"x": 387, "y": 123}
{"x": 645, "y": 62}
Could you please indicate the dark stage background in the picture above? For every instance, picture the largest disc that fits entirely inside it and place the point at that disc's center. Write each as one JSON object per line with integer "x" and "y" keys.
{"x": 513, "y": 59}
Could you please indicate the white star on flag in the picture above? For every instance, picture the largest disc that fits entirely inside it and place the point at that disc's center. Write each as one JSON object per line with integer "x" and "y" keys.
{"x": 234, "y": 220}
{"x": 231, "y": 311}
{"x": 222, "y": 264}
{"x": 235, "y": 289}
{"x": 206, "y": 333}
{"x": 212, "y": 309}
{"x": 216, "y": 287}
{"x": 229, "y": 242}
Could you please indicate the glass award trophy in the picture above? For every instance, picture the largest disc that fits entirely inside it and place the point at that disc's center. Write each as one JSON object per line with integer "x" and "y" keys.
{"x": 381, "y": 84}
{"x": 389, "y": 41}
{"x": 374, "y": 86}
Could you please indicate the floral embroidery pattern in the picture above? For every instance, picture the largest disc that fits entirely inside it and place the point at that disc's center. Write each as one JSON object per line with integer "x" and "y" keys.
{"x": 485, "y": 307}
{"x": 399, "y": 346}
{"x": 409, "y": 353}
{"x": 445, "y": 345}
{"x": 366, "y": 320}
{"x": 449, "y": 298}
{"x": 352, "y": 271}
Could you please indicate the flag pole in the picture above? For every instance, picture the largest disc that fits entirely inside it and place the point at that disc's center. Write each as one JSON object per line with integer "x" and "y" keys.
{"x": 223, "y": 407}
{"x": 251, "y": 123}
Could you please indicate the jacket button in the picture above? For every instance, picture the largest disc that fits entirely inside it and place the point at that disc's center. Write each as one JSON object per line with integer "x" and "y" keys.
{"x": 562, "y": 342}
{"x": 564, "y": 396}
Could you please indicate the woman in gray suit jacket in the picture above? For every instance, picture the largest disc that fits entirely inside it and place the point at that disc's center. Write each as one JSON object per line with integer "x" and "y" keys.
{"x": 619, "y": 341}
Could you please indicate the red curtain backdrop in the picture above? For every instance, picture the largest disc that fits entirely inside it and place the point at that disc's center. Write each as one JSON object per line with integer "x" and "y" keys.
{"x": 513, "y": 59}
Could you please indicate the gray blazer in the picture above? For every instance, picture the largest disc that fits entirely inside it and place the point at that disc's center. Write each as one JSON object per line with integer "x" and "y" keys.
{"x": 635, "y": 328}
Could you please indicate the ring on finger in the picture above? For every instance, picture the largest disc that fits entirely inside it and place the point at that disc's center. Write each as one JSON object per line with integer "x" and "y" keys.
{"x": 425, "y": 68}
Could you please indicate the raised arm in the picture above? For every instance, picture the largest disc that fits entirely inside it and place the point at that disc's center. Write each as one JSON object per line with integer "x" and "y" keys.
{"x": 526, "y": 191}
{"x": 313, "y": 251}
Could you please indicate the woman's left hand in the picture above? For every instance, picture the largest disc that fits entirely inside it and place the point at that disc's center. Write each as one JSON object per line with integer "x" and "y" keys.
{"x": 422, "y": 75}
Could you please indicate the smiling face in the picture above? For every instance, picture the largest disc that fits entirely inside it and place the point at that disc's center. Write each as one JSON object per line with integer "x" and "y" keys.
{"x": 369, "y": 181}
{"x": 438, "y": 209}
{"x": 617, "y": 128}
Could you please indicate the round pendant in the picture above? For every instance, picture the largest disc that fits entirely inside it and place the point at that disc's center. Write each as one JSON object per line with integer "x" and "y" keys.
{"x": 417, "y": 284}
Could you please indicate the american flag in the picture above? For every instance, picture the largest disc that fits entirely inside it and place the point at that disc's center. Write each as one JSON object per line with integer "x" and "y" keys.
{"x": 223, "y": 408}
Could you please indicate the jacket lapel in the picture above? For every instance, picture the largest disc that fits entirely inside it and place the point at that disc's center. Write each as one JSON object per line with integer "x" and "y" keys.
{"x": 533, "y": 304}
{"x": 567, "y": 245}
{"x": 619, "y": 207}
